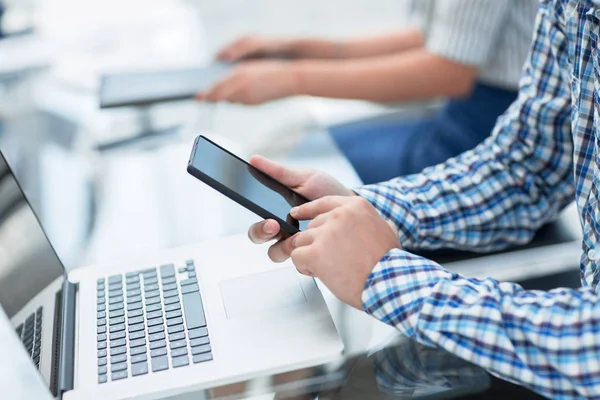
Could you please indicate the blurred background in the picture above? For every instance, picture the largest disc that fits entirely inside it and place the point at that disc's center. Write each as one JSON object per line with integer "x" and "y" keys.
{"x": 120, "y": 202}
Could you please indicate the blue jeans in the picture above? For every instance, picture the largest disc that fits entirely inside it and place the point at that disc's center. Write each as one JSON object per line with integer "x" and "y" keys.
{"x": 387, "y": 147}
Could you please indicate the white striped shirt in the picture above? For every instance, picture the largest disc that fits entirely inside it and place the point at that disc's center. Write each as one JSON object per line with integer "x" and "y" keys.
{"x": 493, "y": 35}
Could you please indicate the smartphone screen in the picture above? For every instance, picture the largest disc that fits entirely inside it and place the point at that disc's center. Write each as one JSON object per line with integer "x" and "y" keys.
{"x": 246, "y": 181}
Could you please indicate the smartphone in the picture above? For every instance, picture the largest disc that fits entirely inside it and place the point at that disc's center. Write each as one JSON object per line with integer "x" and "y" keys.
{"x": 245, "y": 184}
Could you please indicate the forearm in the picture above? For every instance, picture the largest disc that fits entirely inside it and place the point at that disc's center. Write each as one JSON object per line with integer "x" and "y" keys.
{"x": 352, "y": 48}
{"x": 413, "y": 75}
{"x": 543, "y": 340}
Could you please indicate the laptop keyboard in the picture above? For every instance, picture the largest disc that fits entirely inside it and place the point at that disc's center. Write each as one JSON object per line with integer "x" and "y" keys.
{"x": 30, "y": 334}
{"x": 148, "y": 321}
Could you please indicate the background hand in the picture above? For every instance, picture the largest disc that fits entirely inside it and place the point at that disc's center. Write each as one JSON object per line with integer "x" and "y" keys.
{"x": 255, "y": 46}
{"x": 308, "y": 182}
{"x": 255, "y": 82}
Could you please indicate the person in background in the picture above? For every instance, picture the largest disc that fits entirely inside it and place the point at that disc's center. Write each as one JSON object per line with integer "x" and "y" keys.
{"x": 543, "y": 154}
{"x": 470, "y": 51}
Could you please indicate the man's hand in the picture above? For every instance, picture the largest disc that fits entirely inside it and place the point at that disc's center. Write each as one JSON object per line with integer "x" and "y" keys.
{"x": 255, "y": 82}
{"x": 255, "y": 47}
{"x": 342, "y": 244}
{"x": 308, "y": 182}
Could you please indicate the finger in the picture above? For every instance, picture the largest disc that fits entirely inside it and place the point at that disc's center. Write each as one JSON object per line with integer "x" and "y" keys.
{"x": 236, "y": 50}
{"x": 281, "y": 250}
{"x": 317, "y": 207}
{"x": 317, "y": 222}
{"x": 264, "y": 231}
{"x": 291, "y": 177}
{"x": 303, "y": 239}
{"x": 223, "y": 90}
{"x": 301, "y": 257}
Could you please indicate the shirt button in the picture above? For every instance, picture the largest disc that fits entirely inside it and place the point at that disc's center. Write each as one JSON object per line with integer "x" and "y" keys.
{"x": 592, "y": 254}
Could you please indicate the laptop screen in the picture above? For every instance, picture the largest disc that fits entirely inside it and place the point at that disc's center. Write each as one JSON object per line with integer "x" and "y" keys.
{"x": 28, "y": 263}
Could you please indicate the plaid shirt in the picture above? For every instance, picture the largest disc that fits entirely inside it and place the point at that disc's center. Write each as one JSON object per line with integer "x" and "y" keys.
{"x": 544, "y": 152}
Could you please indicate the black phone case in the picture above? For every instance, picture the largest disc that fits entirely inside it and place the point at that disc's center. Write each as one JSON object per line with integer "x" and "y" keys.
{"x": 256, "y": 209}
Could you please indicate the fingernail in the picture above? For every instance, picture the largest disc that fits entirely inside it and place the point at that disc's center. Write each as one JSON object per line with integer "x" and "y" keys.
{"x": 294, "y": 211}
{"x": 267, "y": 228}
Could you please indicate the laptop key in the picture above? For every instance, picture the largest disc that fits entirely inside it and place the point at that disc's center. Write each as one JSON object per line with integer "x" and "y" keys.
{"x": 150, "y": 281}
{"x": 118, "y": 350}
{"x": 173, "y": 314}
{"x": 117, "y": 335}
{"x": 117, "y": 328}
{"x": 131, "y": 274}
{"x": 100, "y": 281}
{"x": 101, "y": 329}
{"x": 190, "y": 288}
{"x": 101, "y": 314}
{"x": 101, "y": 361}
{"x": 137, "y": 335}
{"x": 167, "y": 270}
{"x": 170, "y": 293}
{"x": 102, "y": 337}
{"x": 114, "y": 307}
{"x": 134, "y": 292}
{"x": 100, "y": 300}
{"x": 169, "y": 280}
{"x": 115, "y": 293}
{"x": 139, "y": 358}
{"x": 189, "y": 281}
{"x": 154, "y": 300}
{"x": 115, "y": 278}
{"x": 134, "y": 299}
{"x": 160, "y": 363}
{"x": 135, "y": 351}
{"x": 179, "y": 352}
{"x": 121, "y": 358}
{"x": 169, "y": 286}
{"x": 154, "y": 314}
{"x": 171, "y": 300}
{"x": 158, "y": 352}
{"x": 158, "y": 344}
{"x": 137, "y": 342}
{"x": 177, "y": 336}
{"x": 119, "y": 375}
{"x": 102, "y": 370}
{"x": 134, "y": 306}
{"x": 175, "y": 329}
{"x": 118, "y": 367}
{"x": 116, "y": 320}
{"x": 178, "y": 343}
{"x": 135, "y": 313}
{"x": 199, "y": 342}
{"x": 118, "y": 343}
{"x": 136, "y": 328}
{"x": 180, "y": 361}
{"x": 115, "y": 300}
{"x": 152, "y": 293}
{"x": 150, "y": 287}
{"x": 136, "y": 320}
{"x": 198, "y": 358}
{"x": 102, "y": 378}
{"x": 191, "y": 274}
{"x": 139, "y": 369}
{"x": 194, "y": 311}
{"x": 101, "y": 321}
{"x": 101, "y": 353}
{"x": 198, "y": 332}
{"x": 155, "y": 321}
{"x": 101, "y": 307}
{"x": 173, "y": 307}
{"x": 201, "y": 349}
{"x": 101, "y": 345}
{"x": 156, "y": 336}
{"x": 115, "y": 314}
{"x": 182, "y": 270}
{"x": 156, "y": 329}
{"x": 174, "y": 321}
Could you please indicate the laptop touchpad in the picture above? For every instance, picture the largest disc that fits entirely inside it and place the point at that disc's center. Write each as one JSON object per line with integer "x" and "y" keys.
{"x": 262, "y": 293}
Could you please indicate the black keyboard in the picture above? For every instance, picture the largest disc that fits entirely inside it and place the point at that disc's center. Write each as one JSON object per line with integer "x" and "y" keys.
{"x": 30, "y": 334}
{"x": 147, "y": 320}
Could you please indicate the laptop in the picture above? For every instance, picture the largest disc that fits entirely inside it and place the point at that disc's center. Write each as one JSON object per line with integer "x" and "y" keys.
{"x": 180, "y": 321}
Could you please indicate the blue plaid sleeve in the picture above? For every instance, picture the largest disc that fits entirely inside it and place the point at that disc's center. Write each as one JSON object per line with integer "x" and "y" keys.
{"x": 501, "y": 192}
{"x": 547, "y": 341}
